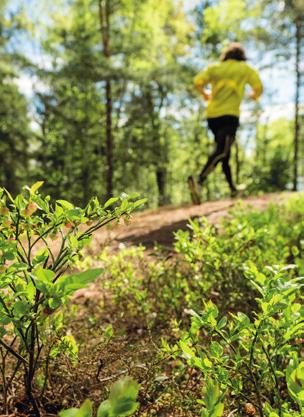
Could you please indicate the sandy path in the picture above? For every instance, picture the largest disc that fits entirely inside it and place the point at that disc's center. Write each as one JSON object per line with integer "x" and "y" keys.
{"x": 157, "y": 226}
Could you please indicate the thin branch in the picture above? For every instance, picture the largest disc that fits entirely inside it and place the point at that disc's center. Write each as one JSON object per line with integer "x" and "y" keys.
{"x": 10, "y": 350}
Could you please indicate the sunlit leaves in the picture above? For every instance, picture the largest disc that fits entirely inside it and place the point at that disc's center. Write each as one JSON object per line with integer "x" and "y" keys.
{"x": 67, "y": 285}
{"x": 34, "y": 283}
{"x": 229, "y": 20}
{"x": 232, "y": 350}
{"x": 121, "y": 402}
{"x": 213, "y": 405}
{"x": 295, "y": 381}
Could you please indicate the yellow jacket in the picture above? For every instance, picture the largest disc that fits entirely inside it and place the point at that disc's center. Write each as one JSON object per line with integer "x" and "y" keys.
{"x": 228, "y": 80}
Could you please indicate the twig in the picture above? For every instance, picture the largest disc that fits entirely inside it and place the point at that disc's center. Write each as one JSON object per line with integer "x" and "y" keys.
{"x": 113, "y": 376}
{"x": 9, "y": 349}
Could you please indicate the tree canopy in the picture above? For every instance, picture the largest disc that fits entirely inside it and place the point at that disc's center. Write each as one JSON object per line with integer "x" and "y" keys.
{"x": 117, "y": 110}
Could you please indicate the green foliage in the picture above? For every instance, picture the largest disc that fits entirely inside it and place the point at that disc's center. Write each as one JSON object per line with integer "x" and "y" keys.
{"x": 219, "y": 258}
{"x": 144, "y": 50}
{"x": 121, "y": 402}
{"x": 295, "y": 381}
{"x": 86, "y": 410}
{"x": 225, "y": 21}
{"x": 14, "y": 134}
{"x": 157, "y": 119}
{"x": 122, "y": 399}
{"x": 273, "y": 157}
{"x": 253, "y": 326}
{"x": 295, "y": 385}
{"x": 207, "y": 262}
{"x": 34, "y": 284}
{"x": 15, "y": 121}
{"x": 248, "y": 356}
{"x": 213, "y": 405}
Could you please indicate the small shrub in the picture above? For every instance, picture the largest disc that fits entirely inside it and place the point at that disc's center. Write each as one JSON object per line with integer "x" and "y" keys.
{"x": 247, "y": 357}
{"x": 34, "y": 284}
{"x": 207, "y": 263}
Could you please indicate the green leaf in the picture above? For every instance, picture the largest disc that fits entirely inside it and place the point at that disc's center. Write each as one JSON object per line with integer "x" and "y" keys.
{"x": 45, "y": 275}
{"x": 74, "y": 214}
{"x": 21, "y": 308}
{"x": 104, "y": 409}
{"x": 86, "y": 410}
{"x": 69, "y": 284}
{"x": 139, "y": 203}
{"x": 122, "y": 399}
{"x": 40, "y": 257}
{"x": 4, "y": 320}
{"x": 293, "y": 330}
{"x": 207, "y": 362}
{"x": 108, "y": 332}
{"x": 110, "y": 202}
{"x": 9, "y": 195}
{"x": 71, "y": 412}
{"x": 10, "y": 256}
{"x": 212, "y": 400}
{"x": 42, "y": 203}
{"x": 124, "y": 407}
{"x": 218, "y": 410}
{"x": 124, "y": 205}
{"x": 216, "y": 349}
{"x": 69, "y": 345}
{"x": 35, "y": 187}
{"x": 222, "y": 323}
{"x": 65, "y": 204}
{"x": 43, "y": 279}
{"x": 124, "y": 388}
{"x": 54, "y": 303}
{"x": 2, "y": 332}
{"x": 187, "y": 351}
{"x": 295, "y": 381}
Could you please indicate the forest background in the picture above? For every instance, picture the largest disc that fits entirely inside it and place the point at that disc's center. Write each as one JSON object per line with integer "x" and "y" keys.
{"x": 97, "y": 96}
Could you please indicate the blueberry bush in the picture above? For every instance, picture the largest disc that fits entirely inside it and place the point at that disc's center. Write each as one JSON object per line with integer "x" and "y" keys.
{"x": 40, "y": 242}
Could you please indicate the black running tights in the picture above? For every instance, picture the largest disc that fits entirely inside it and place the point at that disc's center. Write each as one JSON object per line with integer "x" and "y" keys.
{"x": 224, "y": 129}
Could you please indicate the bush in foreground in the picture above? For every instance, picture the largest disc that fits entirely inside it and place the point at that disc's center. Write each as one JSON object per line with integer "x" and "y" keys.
{"x": 40, "y": 241}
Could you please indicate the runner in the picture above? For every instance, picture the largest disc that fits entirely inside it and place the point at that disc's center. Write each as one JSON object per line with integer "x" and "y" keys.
{"x": 228, "y": 79}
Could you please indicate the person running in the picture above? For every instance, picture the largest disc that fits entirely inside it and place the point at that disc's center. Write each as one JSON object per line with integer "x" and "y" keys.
{"x": 228, "y": 79}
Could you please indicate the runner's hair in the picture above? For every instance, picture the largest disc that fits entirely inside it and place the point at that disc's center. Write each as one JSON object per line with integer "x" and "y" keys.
{"x": 234, "y": 51}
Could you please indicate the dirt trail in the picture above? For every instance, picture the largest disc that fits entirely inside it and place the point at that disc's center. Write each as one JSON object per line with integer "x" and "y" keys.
{"x": 158, "y": 226}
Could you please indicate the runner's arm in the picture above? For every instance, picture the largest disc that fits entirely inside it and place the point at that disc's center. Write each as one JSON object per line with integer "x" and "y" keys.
{"x": 255, "y": 83}
{"x": 201, "y": 80}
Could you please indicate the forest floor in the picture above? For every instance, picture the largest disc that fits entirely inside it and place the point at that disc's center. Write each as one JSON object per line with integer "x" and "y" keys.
{"x": 157, "y": 226}
{"x": 135, "y": 347}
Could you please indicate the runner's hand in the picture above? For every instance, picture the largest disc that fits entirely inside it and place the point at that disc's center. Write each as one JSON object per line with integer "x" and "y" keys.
{"x": 206, "y": 95}
{"x": 253, "y": 96}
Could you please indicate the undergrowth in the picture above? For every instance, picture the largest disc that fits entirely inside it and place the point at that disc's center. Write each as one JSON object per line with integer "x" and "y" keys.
{"x": 238, "y": 267}
{"x": 212, "y": 327}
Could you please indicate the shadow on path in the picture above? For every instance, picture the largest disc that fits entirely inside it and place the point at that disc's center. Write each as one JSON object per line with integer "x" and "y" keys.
{"x": 158, "y": 226}
{"x": 165, "y": 234}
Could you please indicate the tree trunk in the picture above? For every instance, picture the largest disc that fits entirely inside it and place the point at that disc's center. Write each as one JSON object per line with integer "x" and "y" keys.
{"x": 298, "y": 24}
{"x": 104, "y": 18}
{"x": 86, "y": 172}
{"x": 161, "y": 179}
